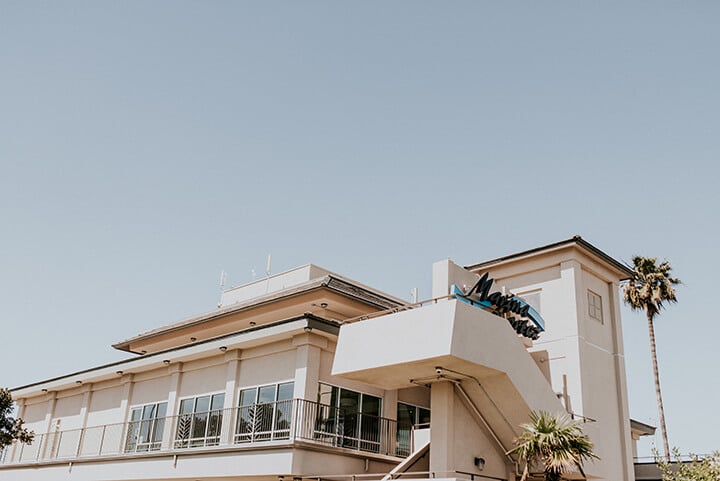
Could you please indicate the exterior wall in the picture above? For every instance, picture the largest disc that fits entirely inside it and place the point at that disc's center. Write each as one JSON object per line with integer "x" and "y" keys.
{"x": 584, "y": 356}
{"x": 458, "y": 437}
{"x": 104, "y": 410}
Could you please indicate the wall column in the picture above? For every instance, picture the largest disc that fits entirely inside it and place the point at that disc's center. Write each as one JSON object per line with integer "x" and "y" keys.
{"x": 175, "y": 371}
{"x": 626, "y": 446}
{"x": 442, "y": 435}
{"x": 307, "y": 376}
{"x": 22, "y": 404}
{"x": 84, "y": 410}
{"x": 307, "y": 365}
{"x": 231, "y": 395}
{"x": 47, "y": 436}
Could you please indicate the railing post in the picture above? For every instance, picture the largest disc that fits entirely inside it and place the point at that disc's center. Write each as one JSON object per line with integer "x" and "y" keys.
{"x": 22, "y": 449}
{"x": 102, "y": 440}
{"x": 41, "y": 446}
{"x": 80, "y": 442}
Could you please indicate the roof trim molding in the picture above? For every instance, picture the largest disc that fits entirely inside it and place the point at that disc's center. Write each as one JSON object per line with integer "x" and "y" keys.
{"x": 623, "y": 270}
{"x": 331, "y": 282}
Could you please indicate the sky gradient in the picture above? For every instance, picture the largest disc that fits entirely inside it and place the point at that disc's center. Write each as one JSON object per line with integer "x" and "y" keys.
{"x": 146, "y": 146}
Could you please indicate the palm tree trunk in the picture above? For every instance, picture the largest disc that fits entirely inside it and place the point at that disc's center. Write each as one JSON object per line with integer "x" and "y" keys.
{"x": 656, "y": 374}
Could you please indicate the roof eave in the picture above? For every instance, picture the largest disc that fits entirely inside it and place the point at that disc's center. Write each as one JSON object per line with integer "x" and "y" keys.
{"x": 623, "y": 271}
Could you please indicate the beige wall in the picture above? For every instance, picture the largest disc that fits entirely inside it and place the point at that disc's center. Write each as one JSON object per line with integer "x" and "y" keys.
{"x": 582, "y": 351}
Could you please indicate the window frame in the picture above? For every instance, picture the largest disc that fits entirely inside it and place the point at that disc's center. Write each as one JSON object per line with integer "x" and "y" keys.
{"x": 593, "y": 307}
{"x": 192, "y": 441}
{"x": 135, "y": 428}
{"x": 268, "y": 414}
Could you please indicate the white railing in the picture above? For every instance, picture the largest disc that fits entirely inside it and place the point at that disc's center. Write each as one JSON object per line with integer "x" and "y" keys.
{"x": 279, "y": 422}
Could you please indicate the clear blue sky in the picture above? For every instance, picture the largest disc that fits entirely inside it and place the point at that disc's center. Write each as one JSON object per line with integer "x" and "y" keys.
{"x": 145, "y": 146}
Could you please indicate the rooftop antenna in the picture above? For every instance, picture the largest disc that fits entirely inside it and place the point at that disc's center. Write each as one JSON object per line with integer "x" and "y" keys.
{"x": 414, "y": 293}
{"x": 268, "y": 269}
{"x": 223, "y": 278}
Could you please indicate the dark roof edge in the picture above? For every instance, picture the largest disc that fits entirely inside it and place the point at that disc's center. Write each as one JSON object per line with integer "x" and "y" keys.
{"x": 316, "y": 322}
{"x": 619, "y": 266}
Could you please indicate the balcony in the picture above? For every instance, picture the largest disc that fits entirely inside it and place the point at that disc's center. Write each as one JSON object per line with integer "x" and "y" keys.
{"x": 277, "y": 423}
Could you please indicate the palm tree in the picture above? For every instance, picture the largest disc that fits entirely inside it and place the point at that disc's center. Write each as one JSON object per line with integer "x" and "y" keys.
{"x": 554, "y": 440}
{"x": 648, "y": 290}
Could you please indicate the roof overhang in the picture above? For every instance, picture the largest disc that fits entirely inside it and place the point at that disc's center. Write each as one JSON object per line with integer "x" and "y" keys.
{"x": 620, "y": 270}
{"x": 246, "y": 339}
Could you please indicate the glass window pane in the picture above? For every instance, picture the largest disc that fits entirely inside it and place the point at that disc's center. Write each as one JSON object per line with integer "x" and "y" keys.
{"x": 162, "y": 410}
{"x": 186, "y": 406}
{"x": 371, "y": 405}
{"x": 149, "y": 411}
{"x": 349, "y": 401}
{"x": 202, "y": 404}
{"x": 248, "y": 396}
{"x": 136, "y": 414}
{"x": 217, "y": 401}
{"x": 285, "y": 391}
{"x": 423, "y": 416}
{"x": 266, "y": 394}
{"x": 406, "y": 414}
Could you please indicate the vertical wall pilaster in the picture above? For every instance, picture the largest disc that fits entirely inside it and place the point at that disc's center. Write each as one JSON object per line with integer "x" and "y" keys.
{"x": 175, "y": 371}
{"x": 231, "y": 394}
{"x": 442, "y": 435}
{"x": 22, "y": 405}
{"x": 626, "y": 445}
{"x": 307, "y": 365}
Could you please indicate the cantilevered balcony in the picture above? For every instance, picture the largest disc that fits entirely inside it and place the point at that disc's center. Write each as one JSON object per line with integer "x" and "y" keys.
{"x": 281, "y": 423}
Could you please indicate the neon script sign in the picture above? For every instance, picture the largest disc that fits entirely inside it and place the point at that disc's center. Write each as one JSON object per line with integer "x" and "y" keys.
{"x": 522, "y": 317}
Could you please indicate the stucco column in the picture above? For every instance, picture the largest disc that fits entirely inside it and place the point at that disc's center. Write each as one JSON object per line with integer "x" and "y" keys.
{"x": 626, "y": 445}
{"x": 442, "y": 432}
{"x": 571, "y": 276}
{"x": 21, "y": 413}
{"x": 46, "y": 436}
{"x": 175, "y": 371}
{"x": 389, "y": 411}
{"x": 307, "y": 365}
{"x": 127, "y": 389}
{"x": 84, "y": 410}
{"x": 307, "y": 375}
{"x": 231, "y": 394}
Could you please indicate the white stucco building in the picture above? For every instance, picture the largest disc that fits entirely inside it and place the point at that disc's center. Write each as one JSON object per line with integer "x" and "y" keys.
{"x": 307, "y": 374}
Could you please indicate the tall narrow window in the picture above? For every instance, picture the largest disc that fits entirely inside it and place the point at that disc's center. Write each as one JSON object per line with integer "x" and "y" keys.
{"x": 145, "y": 428}
{"x": 200, "y": 421}
{"x": 407, "y": 417}
{"x": 351, "y": 419}
{"x": 264, "y": 413}
{"x": 595, "y": 306}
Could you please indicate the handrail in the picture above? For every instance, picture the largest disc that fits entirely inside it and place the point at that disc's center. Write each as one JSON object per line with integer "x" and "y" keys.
{"x": 279, "y": 421}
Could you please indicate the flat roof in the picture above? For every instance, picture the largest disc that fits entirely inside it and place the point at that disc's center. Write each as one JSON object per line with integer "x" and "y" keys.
{"x": 333, "y": 282}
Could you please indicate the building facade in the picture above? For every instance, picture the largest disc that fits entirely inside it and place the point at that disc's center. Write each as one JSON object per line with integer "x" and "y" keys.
{"x": 308, "y": 374}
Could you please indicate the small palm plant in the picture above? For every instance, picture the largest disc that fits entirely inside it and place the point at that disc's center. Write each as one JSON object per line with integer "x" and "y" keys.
{"x": 556, "y": 441}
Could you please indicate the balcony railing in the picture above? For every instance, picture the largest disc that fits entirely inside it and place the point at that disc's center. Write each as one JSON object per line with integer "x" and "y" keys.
{"x": 279, "y": 422}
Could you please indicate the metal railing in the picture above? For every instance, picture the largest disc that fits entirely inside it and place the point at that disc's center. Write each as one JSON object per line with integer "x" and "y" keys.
{"x": 281, "y": 421}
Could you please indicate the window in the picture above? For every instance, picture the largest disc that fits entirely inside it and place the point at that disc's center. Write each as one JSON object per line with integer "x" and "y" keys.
{"x": 145, "y": 429}
{"x": 264, "y": 413}
{"x": 351, "y": 418}
{"x": 407, "y": 417}
{"x": 200, "y": 421}
{"x": 595, "y": 306}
